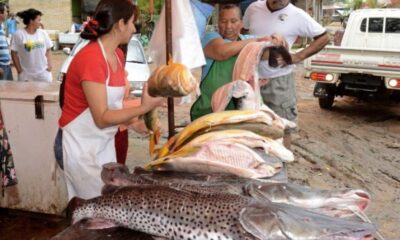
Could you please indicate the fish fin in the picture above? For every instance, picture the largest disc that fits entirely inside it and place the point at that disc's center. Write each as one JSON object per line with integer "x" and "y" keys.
{"x": 163, "y": 152}
{"x": 159, "y": 238}
{"x": 98, "y": 223}
{"x": 73, "y": 204}
{"x": 154, "y": 140}
{"x": 109, "y": 189}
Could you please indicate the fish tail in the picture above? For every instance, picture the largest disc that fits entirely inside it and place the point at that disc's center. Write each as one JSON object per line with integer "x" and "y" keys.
{"x": 152, "y": 143}
{"x": 157, "y": 136}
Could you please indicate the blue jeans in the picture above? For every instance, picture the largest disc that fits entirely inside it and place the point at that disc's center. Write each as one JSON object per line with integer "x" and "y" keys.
{"x": 7, "y": 74}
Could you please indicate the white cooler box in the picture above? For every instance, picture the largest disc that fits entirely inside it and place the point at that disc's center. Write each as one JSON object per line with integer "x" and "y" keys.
{"x": 31, "y": 126}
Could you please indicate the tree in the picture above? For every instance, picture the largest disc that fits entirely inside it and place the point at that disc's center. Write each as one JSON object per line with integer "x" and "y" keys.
{"x": 144, "y": 5}
{"x": 357, "y": 4}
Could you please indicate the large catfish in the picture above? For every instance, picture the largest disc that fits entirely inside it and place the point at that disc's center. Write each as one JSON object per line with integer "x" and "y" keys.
{"x": 177, "y": 214}
{"x": 335, "y": 203}
{"x": 217, "y": 157}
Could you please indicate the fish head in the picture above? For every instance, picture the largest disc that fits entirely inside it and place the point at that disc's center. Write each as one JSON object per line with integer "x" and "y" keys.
{"x": 245, "y": 96}
{"x": 336, "y": 203}
{"x": 346, "y": 202}
{"x": 282, "y": 221}
{"x": 112, "y": 172}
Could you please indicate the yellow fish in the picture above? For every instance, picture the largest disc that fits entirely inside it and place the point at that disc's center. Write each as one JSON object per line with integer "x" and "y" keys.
{"x": 152, "y": 123}
{"x": 210, "y": 120}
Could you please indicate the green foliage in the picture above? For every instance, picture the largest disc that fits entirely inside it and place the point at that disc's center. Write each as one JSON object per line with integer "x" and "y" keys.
{"x": 147, "y": 21}
{"x": 144, "y": 5}
{"x": 357, "y": 4}
{"x": 372, "y": 4}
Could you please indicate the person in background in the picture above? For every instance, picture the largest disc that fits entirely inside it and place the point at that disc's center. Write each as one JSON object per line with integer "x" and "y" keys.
{"x": 93, "y": 96}
{"x": 31, "y": 48}
{"x": 280, "y": 16}
{"x": 11, "y": 24}
{"x": 221, "y": 50}
{"x": 5, "y": 58}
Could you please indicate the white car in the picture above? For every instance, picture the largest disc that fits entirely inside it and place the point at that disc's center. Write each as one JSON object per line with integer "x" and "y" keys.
{"x": 136, "y": 64}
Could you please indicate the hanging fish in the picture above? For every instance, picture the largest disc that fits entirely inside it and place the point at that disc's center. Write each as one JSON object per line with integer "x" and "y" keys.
{"x": 172, "y": 80}
{"x": 152, "y": 124}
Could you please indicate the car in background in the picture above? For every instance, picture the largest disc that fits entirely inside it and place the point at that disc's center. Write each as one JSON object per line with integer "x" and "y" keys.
{"x": 137, "y": 65}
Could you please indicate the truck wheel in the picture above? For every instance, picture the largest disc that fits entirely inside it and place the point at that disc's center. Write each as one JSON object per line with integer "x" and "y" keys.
{"x": 326, "y": 102}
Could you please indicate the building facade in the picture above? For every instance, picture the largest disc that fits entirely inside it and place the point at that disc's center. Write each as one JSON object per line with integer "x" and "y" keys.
{"x": 57, "y": 14}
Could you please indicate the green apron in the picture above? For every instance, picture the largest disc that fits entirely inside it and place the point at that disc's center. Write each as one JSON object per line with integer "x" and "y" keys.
{"x": 219, "y": 74}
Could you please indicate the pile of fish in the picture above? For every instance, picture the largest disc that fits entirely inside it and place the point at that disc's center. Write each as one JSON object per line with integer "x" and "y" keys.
{"x": 176, "y": 205}
{"x": 239, "y": 142}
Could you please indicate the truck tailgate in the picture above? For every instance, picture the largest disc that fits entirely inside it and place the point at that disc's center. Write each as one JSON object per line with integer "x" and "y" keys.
{"x": 355, "y": 60}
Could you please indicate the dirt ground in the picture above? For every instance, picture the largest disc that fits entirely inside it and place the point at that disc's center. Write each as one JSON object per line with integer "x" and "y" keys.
{"x": 355, "y": 145}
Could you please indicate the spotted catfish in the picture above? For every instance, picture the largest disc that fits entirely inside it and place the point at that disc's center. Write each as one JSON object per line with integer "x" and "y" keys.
{"x": 176, "y": 214}
{"x": 335, "y": 203}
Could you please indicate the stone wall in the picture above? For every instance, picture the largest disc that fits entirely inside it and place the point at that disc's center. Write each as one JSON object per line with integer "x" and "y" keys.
{"x": 57, "y": 14}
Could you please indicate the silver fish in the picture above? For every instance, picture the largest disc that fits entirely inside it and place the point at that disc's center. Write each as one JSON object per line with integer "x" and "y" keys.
{"x": 335, "y": 203}
{"x": 175, "y": 214}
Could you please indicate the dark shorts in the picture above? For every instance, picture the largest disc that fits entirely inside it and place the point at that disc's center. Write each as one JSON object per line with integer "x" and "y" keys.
{"x": 280, "y": 95}
{"x": 7, "y": 73}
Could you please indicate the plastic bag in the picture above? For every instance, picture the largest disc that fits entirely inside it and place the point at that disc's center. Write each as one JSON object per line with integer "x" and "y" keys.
{"x": 186, "y": 43}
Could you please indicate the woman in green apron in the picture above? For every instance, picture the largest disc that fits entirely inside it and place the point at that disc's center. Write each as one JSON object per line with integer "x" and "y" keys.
{"x": 221, "y": 49}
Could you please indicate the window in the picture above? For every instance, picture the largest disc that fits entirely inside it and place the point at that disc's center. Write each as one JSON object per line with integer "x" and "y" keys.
{"x": 363, "y": 25}
{"x": 375, "y": 25}
{"x": 392, "y": 25}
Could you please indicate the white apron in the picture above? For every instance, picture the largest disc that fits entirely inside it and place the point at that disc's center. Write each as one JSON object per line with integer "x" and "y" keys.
{"x": 86, "y": 147}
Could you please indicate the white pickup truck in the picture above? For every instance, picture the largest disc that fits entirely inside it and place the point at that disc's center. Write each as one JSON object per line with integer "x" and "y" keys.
{"x": 367, "y": 62}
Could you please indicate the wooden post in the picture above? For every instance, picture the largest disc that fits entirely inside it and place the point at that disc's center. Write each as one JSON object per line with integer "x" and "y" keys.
{"x": 168, "y": 37}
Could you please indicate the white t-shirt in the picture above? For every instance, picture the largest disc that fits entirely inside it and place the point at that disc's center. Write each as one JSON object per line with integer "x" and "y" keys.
{"x": 31, "y": 49}
{"x": 289, "y": 21}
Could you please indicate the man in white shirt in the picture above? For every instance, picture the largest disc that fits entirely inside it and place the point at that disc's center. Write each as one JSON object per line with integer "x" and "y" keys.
{"x": 280, "y": 16}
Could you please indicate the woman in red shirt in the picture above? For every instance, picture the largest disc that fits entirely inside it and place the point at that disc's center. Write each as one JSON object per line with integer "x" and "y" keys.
{"x": 94, "y": 89}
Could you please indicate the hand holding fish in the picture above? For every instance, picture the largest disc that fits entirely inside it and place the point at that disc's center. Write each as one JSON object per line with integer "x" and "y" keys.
{"x": 139, "y": 126}
{"x": 150, "y": 102}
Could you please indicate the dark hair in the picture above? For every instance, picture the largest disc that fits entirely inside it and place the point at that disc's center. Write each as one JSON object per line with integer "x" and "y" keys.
{"x": 3, "y": 7}
{"x": 28, "y": 15}
{"x": 107, "y": 13}
{"x": 231, "y": 6}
